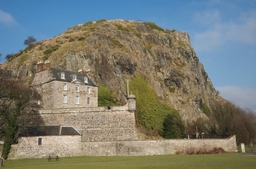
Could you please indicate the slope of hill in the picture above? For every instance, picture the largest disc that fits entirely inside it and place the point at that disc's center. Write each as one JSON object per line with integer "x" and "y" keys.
{"x": 119, "y": 50}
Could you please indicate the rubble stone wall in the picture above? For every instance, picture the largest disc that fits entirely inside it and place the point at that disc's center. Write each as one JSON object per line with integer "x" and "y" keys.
{"x": 65, "y": 146}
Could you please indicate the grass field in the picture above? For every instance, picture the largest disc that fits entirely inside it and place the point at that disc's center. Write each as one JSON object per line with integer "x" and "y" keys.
{"x": 210, "y": 161}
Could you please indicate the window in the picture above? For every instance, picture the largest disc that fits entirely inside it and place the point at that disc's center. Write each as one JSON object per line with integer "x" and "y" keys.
{"x": 88, "y": 100}
{"x": 65, "y": 99}
{"x": 85, "y": 79}
{"x": 39, "y": 141}
{"x": 88, "y": 90}
{"x": 77, "y": 88}
{"x": 62, "y": 75}
{"x": 74, "y": 77}
{"x": 65, "y": 86}
{"x": 77, "y": 99}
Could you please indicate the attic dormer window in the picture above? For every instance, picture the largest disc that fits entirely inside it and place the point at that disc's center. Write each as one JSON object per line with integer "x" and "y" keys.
{"x": 74, "y": 77}
{"x": 85, "y": 79}
{"x": 62, "y": 75}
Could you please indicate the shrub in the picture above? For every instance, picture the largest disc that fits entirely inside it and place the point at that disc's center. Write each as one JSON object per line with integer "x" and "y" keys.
{"x": 81, "y": 38}
{"x": 106, "y": 96}
{"x": 51, "y": 49}
{"x": 71, "y": 40}
{"x": 172, "y": 89}
{"x": 101, "y": 21}
{"x": 88, "y": 23}
{"x": 150, "y": 111}
{"x": 10, "y": 56}
{"x": 206, "y": 109}
{"x": 173, "y": 126}
{"x": 154, "y": 26}
{"x": 204, "y": 150}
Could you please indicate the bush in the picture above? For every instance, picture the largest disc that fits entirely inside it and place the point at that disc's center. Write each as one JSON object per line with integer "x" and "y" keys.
{"x": 106, "y": 96}
{"x": 71, "y": 40}
{"x": 150, "y": 111}
{"x": 10, "y": 56}
{"x": 154, "y": 26}
{"x": 173, "y": 127}
{"x": 88, "y": 23}
{"x": 206, "y": 109}
{"x": 191, "y": 151}
{"x": 81, "y": 38}
{"x": 51, "y": 49}
{"x": 172, "y": 89}
{"x": 101, "y": 21}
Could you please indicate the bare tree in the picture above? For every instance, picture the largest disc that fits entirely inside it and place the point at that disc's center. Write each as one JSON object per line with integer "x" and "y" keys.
{"x": 29, "y": 41}
{"x": 9, "y": 56}
{"x": 17, "y": 109}
{"x": 232, "y": 120}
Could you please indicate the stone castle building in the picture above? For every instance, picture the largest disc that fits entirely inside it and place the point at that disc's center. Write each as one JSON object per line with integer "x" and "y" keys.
{"x": 74, "y": 125}
{"x": 64, "y": 89}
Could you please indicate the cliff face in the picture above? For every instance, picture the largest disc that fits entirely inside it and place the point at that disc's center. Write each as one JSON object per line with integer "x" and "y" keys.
{"x": 117, "y": 50}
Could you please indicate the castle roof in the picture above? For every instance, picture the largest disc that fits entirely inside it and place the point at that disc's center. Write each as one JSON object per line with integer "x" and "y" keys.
{"x": 48, "y": 131}
{"x": 69, "y": 76}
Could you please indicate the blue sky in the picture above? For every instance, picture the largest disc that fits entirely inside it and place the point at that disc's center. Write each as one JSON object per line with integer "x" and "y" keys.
{"x": 222, "y": 32}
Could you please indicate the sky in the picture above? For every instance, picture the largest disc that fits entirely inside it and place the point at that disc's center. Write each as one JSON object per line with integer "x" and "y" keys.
{"x": 222, "y": 32}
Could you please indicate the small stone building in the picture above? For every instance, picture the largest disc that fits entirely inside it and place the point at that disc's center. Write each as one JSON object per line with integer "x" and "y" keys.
{"x": 64, "y": 89}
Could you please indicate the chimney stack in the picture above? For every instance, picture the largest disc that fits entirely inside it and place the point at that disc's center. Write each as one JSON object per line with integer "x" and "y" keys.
{"x": 41, "y": 66}
{"x": 88, "y": 72}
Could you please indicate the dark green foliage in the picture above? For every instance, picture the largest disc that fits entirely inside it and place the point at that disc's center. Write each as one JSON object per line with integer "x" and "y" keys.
{"x": 15, "y": 110}
{"x": 106, "y": 97}
{"x": 154, "y": 26}
{"x": 51, "y": 49}
{"x": 10, "y": 56}
{"x": 173, "y": 127}
{"x": 81, "y": 38}
{"x": 71, "y": 39}
{"x": 150, "y": 112}
{"x": 29, "y": 41}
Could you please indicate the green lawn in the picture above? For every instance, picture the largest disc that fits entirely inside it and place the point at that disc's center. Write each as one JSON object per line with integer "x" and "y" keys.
{"x": 210, "y": 161}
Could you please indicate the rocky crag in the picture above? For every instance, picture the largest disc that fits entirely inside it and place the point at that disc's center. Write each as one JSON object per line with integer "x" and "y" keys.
{"x": 117, "y": 50}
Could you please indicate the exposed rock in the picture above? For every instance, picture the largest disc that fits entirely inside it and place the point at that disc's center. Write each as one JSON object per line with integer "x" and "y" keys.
{"x": 116, "y": 50}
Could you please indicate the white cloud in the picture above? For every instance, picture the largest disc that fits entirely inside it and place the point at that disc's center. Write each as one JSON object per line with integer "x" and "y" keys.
{"x": 6, "y": 18}
{"x": 218, "y": 32}
{"x": 207, "y": 17}
{"x": 243, "y": 97}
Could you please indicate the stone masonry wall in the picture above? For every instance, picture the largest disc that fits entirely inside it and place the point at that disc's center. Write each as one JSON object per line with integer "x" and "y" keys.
{"x": 65, "y": 146}
{"x": 95, "y": 124}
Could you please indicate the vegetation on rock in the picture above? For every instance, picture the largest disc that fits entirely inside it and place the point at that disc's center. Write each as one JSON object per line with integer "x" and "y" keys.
{"x": 151, "y": 113}
{"x": 106, "y": 97}
{"x": 164, "y": 69}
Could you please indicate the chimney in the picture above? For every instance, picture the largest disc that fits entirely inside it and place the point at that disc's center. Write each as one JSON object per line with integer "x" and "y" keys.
{"x": 88, "y": 72}
{"x": 41, "y": 66}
